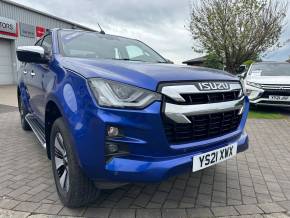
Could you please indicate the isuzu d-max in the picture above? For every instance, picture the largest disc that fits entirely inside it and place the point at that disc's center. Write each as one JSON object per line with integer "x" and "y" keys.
{"x": 110, "y": 110}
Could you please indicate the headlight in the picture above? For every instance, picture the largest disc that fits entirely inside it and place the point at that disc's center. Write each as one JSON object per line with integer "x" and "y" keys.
{"x": 244, "y": 91}
{"x": 254, "y": 94}
{"x": 254, "y": 90}
{"x": 119, "y": 95}
{"x": 254, "y": 84}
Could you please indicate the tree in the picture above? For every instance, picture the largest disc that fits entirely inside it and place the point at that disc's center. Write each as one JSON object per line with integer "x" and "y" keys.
{"x": 248, "y": 63}
{"x": 236, "y": 30}
{"x": 213, "y": 61}
{"x": 288, "y": 60}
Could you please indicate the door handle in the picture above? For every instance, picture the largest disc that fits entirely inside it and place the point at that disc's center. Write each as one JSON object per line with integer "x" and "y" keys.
{"x": 24, "y": 72}
{"x": 32, "y": 73}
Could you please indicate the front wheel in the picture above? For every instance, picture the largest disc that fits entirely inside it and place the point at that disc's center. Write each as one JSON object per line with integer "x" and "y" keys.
{"x": 74, "y": 188}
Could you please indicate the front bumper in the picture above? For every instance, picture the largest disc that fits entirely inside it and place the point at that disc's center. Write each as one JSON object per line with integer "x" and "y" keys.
{"x": 144, "y": 169}
{"x": 151, "y": 157}
{"x": 268, "y": 102}
{"x": 260, "y": 96}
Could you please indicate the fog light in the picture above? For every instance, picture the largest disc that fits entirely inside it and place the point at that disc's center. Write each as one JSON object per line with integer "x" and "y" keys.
{"x": 111, "y": 148}
{"x": 113, "y": 131}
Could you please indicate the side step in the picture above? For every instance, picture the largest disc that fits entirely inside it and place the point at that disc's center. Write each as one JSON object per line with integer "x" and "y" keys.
{"x": 37, "y": 128}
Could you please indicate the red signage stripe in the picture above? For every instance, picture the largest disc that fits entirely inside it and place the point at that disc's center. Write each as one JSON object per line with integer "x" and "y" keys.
{"x": 40, "y": 31}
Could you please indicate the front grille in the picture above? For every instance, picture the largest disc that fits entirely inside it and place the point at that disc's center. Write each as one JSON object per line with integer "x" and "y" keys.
{"x": 208, "y": 98}
{"x": 202, "y": 127}
{"x": 275, "y": 87}
{"x": 267, "y": 93}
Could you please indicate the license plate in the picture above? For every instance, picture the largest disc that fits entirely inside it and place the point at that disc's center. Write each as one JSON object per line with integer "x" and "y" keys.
{"x": 279, "y": 98}
{"x": 210, "y": 158}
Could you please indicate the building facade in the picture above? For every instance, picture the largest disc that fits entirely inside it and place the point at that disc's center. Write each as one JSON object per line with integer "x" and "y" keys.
{"x": 21, "y": 25}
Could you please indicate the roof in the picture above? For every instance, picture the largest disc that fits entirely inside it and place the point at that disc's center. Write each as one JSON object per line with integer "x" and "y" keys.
{"x": 195, "y": 60}
{"x": 46, "y": 14}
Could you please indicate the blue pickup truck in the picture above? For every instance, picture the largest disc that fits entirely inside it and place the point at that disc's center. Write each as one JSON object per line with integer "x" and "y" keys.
{"x": 110, "y": 110}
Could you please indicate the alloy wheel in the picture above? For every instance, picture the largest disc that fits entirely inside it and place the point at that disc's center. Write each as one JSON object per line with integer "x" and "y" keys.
{"x": 61, "y": 162}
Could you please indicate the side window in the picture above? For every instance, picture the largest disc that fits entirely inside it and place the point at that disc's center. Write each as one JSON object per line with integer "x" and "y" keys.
{"x": 47, "y": 44}
{"x": 134, "y": 51}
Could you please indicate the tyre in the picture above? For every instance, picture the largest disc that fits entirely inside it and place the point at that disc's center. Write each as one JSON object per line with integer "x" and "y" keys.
{"x": 74, "y": 188}
{"x": 23, "y": 112}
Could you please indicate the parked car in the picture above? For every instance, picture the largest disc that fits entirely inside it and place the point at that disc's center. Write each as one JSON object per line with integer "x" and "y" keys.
{"x": 110, "y": 110}
{"x": 268, "y": 83}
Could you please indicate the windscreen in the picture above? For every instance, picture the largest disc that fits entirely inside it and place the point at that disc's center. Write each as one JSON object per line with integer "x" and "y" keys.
{"x": 83, "y": 44}
{"x": 270, "y": 69}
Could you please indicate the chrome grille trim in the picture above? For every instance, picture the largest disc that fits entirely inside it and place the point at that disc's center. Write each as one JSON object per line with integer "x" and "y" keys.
{"x": 174, "y": 92}
{"x": 275, "y": 87}
{"x": 179, "y": 113}
{"x": 191, "y": 113}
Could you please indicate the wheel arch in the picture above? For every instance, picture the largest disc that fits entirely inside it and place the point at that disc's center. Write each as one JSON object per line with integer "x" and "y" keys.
{"x": 52, "y": 112}
{"x": 22, "y": 96}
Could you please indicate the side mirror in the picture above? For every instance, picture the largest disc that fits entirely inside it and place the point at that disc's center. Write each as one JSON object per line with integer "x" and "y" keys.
{"x": 242, "y": 69}
{"x": 242, "y": 75}
{"x": 31, "y": 54}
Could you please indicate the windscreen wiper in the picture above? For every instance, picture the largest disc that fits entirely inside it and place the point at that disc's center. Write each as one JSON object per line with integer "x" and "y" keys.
{"x": 128, "y": 59}
{"x": 125, "y": 59}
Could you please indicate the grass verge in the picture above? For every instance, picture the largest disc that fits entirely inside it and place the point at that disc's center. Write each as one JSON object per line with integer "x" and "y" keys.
{"x": 266, "y": 114}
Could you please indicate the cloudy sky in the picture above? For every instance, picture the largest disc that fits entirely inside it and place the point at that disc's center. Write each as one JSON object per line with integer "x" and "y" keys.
{"x": 159, "y": 23}
{"x": 283, "y": 53}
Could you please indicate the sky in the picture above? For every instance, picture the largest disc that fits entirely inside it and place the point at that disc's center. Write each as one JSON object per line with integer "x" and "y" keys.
{"x": 282, "y": 53}
{"x": 159, "y": 23}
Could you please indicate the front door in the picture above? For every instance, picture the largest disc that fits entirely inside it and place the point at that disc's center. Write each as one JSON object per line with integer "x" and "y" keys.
{"x": 36, "y": 84}
{"x": 33, "y": 79}
{"x": 30, "y": 82}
